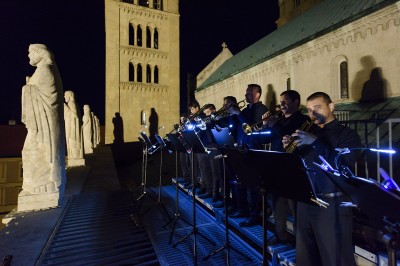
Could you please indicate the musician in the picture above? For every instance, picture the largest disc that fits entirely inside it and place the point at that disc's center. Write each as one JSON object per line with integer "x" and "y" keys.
{"x": 281, "y": 126}
{"x": 231, "y": 122}
{"x": 250, "y": 115}
{"x": 209, "y": 167}
{"x": 193, "y": 107}
{"x": 324, "y": 235}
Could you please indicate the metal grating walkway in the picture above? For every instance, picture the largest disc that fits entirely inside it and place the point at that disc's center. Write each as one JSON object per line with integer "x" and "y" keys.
{"x": 100, "y": 228}
{"x": 156, "y": 219}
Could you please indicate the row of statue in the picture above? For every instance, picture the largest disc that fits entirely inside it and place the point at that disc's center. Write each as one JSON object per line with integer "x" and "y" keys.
{"x": 51, "y": 124}
{"x": 82, "y": 135}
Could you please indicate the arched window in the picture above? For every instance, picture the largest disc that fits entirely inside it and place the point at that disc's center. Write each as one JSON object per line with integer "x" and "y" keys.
{"x": 344, "y": 81}
{"x": 139, "y": 73}
{"x": 148, "y": 74}
{"x": 156, "y": 74}
{"x": 155, "y": 38}
{"x": 139, "y": 35}
{"x": 144, "y": 3}
{"x": 131, "y": 34}
{"x": 288, "y": 84}
{"x": 131, "y": 72}
{"x": 148, "y": 37}
{"x": 158, "y": 4}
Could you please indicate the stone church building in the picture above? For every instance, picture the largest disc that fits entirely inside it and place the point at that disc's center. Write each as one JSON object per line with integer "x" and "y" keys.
{"x": 142, "y": 67}
{"x": 348, "y": 49}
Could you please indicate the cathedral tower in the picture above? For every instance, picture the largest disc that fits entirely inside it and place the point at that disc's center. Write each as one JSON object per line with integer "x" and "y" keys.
{"x": 142, "y": 66}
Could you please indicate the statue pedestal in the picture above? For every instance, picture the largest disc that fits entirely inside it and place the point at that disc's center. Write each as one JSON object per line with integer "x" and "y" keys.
{"x": 31, "y": 202}
{"x": 75, "y": 162}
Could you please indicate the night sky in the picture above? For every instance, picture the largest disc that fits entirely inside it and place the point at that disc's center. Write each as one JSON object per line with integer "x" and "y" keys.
{"x": 74, "y": 31}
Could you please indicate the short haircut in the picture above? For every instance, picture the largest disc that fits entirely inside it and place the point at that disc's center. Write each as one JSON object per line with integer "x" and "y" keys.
{"x": 194, "y": 104}
{"x": 231, "y": 99}
{"x": 255, "y": 87}
{"x": 320, "y": 94}
{"x": 209, "y": 106}
{"x": 293, "y": 95}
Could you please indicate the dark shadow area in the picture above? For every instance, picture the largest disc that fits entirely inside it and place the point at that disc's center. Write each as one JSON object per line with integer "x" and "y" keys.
{"x": 153, "y": 125}
{"x": 118, "y": 128}
{"x": 270, "y": 98}
{"x": 368, "y": 63}
{"x": 374, "y": 89}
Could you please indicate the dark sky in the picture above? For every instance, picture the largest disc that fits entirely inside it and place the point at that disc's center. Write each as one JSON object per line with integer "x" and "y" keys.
{"x": 74, "y": 31}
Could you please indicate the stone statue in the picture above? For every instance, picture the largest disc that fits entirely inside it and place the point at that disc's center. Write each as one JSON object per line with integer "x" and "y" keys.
{"x": 87, "y": 130}
{"x": 97, "y": 123}
{"x": 43, "y": 154}
{"x": 73, "y": 130}
{"x": 94, "y": 130}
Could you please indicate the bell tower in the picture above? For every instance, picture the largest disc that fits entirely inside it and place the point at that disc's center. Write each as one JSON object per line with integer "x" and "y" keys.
{"x": 142, "y": 66}
{"x": 289, "y": 9}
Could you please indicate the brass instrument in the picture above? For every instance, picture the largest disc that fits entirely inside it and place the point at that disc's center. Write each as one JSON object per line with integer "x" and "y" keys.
{"x": 188, "y": 120}
{"x": 224, "y": 110}
{"x": 255, "y": 127}
{"x": 292, "y": 143}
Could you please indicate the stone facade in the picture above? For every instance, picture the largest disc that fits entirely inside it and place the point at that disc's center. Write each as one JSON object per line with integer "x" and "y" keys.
{"x": 156, "y": 52}
{"x": 367, "y": 43}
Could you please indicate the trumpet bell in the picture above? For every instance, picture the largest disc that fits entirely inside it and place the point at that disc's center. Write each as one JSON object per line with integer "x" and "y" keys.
{"x": 247, "y": 128}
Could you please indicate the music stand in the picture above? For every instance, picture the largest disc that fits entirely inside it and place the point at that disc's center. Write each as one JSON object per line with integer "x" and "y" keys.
{"x": 196, "y": 147}
{"x": 161, "y": 145}
{"x": 145, "y": 141}
{"x": 176, "y": 145}
{"x": 379, "y": 205}
{"x": 279, "y": 173}
{"x": 224, "y": 139}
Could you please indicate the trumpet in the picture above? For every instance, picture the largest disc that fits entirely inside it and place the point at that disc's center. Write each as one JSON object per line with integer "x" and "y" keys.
{"x": 256, "y": 126}
{"x": 292, "y": 143}
{"x": 189, "y": 119}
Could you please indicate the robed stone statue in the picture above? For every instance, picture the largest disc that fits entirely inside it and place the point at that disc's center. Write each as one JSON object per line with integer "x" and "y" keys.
{"x": 43, "y": 154}
{"x": 73, "y": 130}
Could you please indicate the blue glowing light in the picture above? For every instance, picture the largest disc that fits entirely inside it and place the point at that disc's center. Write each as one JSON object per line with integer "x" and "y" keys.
{"x": 383, "y": 151}
{"x": 230, "y": 126}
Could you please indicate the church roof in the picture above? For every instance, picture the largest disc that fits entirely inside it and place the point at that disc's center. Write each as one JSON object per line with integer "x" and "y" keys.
{"x": 319, "y": 20}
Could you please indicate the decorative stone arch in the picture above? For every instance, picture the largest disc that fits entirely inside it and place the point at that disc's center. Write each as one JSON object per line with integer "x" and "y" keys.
{"x": 285, "y": 82}
{"x": 132, "y": 32}
{"x": 132, "y": 70}
{"x": 340, "y": 78}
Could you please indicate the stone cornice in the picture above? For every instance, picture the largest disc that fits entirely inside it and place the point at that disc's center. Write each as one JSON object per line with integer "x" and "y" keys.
{"x": 143, "y": 87}
{"x": 143, "y": 11}
{"x": 140, "y": 52}
{"x": 350, "y": 33}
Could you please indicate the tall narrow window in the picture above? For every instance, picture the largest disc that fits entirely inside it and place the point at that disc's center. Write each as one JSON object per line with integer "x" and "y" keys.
{"x": 344, "y": 81}
{"x": 139, "y": 35}
{"x": 288, "y": 84}
{"x": 148, "y": 37}
{"x": 158, "y": 4}
{"x": 131, "y": 34}
{"x": 155, "y": 38}
{"x": 156, "y": 74}
{"x": 148, "y": 74}
{"x": 131, "y": 72}
{"x": 144, "y": 3}
{"x": 296, "y": 3}
{"x": 139, "y": 73}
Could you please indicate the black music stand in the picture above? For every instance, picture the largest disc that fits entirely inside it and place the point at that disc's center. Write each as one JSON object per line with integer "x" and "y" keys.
{"x": 279, "y": 173}
{"x": 161, "y": 145}
{"x": 147, "y": 145}
{"x": 224, "y": 139}
{"x": 197, "y": 146}
{"x": 379, "y": 206}
{"x": 176, "y": 145}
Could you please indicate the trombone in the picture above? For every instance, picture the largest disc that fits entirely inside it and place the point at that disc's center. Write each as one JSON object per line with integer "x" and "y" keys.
{"x": 224, "y": 110}
{"x": 256, "y": 126}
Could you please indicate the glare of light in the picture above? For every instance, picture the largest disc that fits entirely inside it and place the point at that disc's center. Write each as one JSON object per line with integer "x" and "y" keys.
{"x": 230, "y": 126}
{"x": 190, "y": 127}
{"x": 383, "y": 151}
